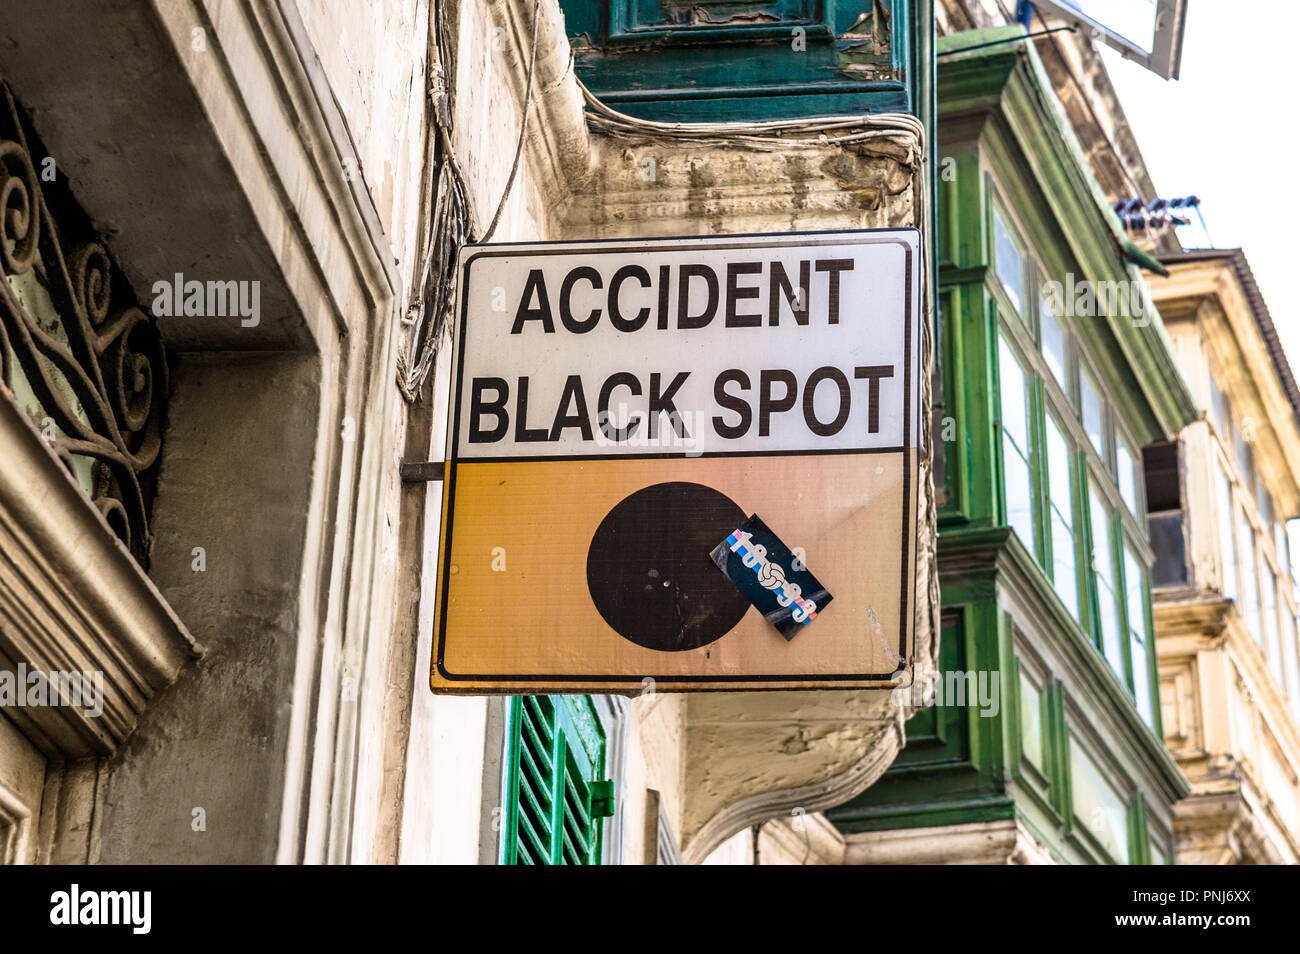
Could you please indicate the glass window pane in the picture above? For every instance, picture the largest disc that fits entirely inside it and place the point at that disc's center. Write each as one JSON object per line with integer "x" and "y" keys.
{"x": 1015, "y": 409}
{"x": 1218, "y": 409}
{"x": 1097, "y": 805}
{"x": 1227, "y": 553}
{"x": 1065, "y": 565}
{"x": 1093, "y": 420}
{"x": 1103, "y": 563}
{"x": 1142, "y": 682}
{"x": 1293, "y": 549}
{"x": 1140, "y": 644}
{"x": 1291, "y": 658}
{"x": 1015, "y": 446}
{"x": 1126, "y": 471}
{"x": 1020, "y": 514}
{"x": 1031, "y": 719}
{"x": 1135, "y": 595}
{"x": 1249, "y": 602}
{"x": 1279, "y": 544}
{"x": 1053, "y": 341}
{"x": 1059, "y": 471}
{"x": 1060, "y": 481}
{"x": 1008, "y": 262}
{"x": 1268, "y": 608}
{"x": 1245, "y": 461}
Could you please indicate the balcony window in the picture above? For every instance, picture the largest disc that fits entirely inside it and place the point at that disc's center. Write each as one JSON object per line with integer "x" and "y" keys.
{"x": 1126, "y": 473}
{"x": 1098, "y": 808}
{"x": 1249, "y": 585}
{"x": 1017, "y": 470}
{"x": 1272, "y": 637}
{"x": 1094, "y": 421}
{"x": 1008, "y": 262}
{"x": 1164, "y": 493}
{"x": 1103, "y": 565}
{"x": 1279, "y": 544}
{"x": 1060, "y": 482}
{"x": 1293, "y": 549}
{"x": 1245, "y": 460}
{"x": 1227, "y": 553}
{"x": 1139, "y": 636}
{"x": 1053, "y": 336}
{"x": 1219, "y": 409}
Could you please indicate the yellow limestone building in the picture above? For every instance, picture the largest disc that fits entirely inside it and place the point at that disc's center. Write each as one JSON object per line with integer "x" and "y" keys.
{"x": 1221, "y": 497}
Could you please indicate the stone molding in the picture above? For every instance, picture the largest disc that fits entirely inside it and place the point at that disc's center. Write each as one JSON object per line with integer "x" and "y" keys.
{"x": 1004, "y": 842}
{"x": 72, "y": 599}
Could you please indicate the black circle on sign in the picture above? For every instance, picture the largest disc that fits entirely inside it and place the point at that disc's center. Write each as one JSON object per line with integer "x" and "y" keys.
{"x": 649, "y": 571}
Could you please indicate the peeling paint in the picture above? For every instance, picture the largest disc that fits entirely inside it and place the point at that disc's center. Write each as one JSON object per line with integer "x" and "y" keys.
{"x": 700, "y": 16}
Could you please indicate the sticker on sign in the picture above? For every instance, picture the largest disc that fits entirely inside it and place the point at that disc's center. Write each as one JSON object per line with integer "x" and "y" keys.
{"x": 619, "y": 407}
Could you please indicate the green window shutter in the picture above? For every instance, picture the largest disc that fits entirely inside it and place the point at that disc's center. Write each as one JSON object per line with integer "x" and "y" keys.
{"x": 746, "y": 60}
{"x": 556, "y": 795}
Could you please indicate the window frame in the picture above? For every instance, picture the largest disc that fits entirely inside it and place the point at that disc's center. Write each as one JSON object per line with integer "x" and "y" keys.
{"x": 999, "y": 211}
{"x": 1089, "y": 464}
{"x": 1007, "y": 343}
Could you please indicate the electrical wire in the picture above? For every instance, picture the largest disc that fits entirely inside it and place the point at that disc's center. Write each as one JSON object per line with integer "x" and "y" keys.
{"x": 523, "y": 128}
{"x": 451, "y": 218}
{"x": 769, "y": 135}
{"x": 450, "y": 213}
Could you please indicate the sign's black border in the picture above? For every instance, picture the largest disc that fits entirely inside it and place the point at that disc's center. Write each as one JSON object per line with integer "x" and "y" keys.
{"x": 472, "y": 253}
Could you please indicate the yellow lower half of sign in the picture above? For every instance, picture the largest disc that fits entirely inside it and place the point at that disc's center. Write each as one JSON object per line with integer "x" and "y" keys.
{"x": 527, "y": 591}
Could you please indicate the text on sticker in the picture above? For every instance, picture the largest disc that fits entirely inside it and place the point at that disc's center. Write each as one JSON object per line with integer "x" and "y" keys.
{"x": 771, "y": 576}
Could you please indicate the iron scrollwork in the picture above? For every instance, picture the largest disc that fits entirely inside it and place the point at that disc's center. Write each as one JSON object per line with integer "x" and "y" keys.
{"x": 98, "y": 370}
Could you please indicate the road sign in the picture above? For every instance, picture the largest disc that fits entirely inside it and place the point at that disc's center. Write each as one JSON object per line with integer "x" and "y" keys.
{"x": 620, "y": 408}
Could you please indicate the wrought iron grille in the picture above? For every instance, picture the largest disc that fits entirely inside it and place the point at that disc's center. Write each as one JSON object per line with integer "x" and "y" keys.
{"x": 76, "y": 350}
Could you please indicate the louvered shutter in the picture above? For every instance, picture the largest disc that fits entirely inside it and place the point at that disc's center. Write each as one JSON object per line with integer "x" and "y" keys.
{"x": 556, "y": 798}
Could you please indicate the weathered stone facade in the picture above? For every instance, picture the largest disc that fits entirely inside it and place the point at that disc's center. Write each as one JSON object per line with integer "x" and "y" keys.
{"x": 274, "y": 703}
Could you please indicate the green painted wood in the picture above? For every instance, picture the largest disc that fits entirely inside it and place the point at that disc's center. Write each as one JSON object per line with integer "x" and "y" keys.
{"x": 1139, "y": 837}
{"x": 753, "y": 60}
{"x": 1001, "y": 143}
{"x": 555, "y": 794}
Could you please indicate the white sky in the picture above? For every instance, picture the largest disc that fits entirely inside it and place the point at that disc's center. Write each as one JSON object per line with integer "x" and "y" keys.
{"x": 1227, "y": 132}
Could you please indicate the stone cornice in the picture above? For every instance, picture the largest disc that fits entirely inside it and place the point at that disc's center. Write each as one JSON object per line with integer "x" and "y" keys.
{"x": 1204, "y": 615}
{"x": 62, "y": 571}
{"x": 982, "y": 843}
{"x": 1221, "y": 827}
{"x": 804, "y": 839}
{"x": 838, "y": 744}
{"x": 650, "y": 186}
